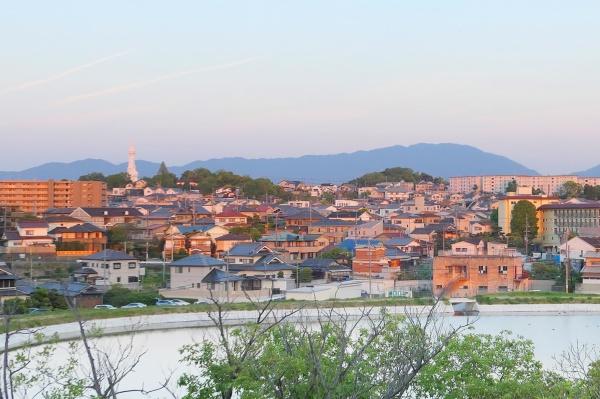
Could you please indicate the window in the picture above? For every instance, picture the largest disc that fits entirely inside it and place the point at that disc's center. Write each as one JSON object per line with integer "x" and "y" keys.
{"x": 132, "y": 265}
{"x": 439, "y": 286}
{"x": 482, "y": 289}
{"x": 179, "y": 269}
{"x": 118, "y": 279}
{"x": 132, "y": 279}
{"x": 105, "y": 265}
{"x": 465, "y": 287}
{"x": 28, "y": 232}
{"x": 502, "y": 288}
{"x": 116, "y": 265}
{"x": 482, "y": 269}
{"x": 503, "y": 269}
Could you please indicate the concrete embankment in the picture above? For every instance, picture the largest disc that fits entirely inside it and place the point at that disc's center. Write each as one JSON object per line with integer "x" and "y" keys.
{"x": 125, "y": 325}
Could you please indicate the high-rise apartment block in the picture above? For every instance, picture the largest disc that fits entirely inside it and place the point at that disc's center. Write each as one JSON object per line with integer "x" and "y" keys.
{"x": 36, "y": 196}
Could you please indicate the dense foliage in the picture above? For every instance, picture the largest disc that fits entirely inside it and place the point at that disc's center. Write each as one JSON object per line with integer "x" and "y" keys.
{"x": 112, "y": 181}
{"x": 207, "y": 182}
{"x": 395, "y": 175}
{"x": 524, "y": 218}
{"x": 119, "y": 296}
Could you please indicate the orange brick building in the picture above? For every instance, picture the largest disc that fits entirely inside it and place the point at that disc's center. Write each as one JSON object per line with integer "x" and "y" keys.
{"x": 36, "y": 196}
{"x": 467, "y": 276}
{"x": 374, "y": 258}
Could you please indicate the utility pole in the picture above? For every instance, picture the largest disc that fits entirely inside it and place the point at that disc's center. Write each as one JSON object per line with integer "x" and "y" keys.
{"x": 370, "y": 288}
{"x": 526, "y": 235}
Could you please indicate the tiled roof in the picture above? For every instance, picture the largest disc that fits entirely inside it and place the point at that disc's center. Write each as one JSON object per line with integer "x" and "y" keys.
{"x": 32, "y": 224}
{"x": 220, "y": 276}
{"x": 246, "y": 249}
{"x": 109, "y": 255}
{"x": 106, "y": 211}
{"x": 198, "y": 260}
{"x": 233, "y": 237}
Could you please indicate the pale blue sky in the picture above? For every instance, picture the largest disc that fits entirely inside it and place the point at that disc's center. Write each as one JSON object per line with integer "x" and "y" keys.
{"x": 188, "y": 80}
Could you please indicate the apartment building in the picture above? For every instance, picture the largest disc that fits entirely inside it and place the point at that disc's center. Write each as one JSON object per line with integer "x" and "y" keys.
{"x": 507, "y": 203}
{"x": 36, "y": 196}
{"x": 575, "y": 216}
{"x": 497, "y": 183}
{"x": 470, "y": 275}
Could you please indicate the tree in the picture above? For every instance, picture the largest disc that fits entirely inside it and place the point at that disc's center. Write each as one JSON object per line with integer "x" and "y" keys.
{"x": 494, "y": 218}
{"x": 511, "y": 187}
{"x": 524, "y": 217}
{"x": 94, "y": 176}
{"x": 164, "y": 178}
{"x": 117, "y": 180}
{"x": 591, "y": 192}
{"x": 489, "y": 367}
{"x": 570, "y": 189}
{"x": 118, "y": 235}
{"x": 337, "y": 357}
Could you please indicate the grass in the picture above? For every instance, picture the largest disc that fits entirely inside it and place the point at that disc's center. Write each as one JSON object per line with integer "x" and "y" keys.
{"x": 513, "y": 298}
{"x": 66, "y": 316}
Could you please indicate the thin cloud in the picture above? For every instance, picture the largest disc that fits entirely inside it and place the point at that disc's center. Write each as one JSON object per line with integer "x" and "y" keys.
{"x": 61, "y": 75}
{"x": 145, "y": 83}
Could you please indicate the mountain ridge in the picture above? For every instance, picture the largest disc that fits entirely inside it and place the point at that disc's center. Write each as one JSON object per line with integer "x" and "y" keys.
{"x": 443, "y": 159}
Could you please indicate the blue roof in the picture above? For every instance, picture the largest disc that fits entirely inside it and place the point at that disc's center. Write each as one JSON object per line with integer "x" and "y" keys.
{"x": 198, "y": 260}
{"x": 350, "y": 244}
{"x": 399, "y": 241}
{"x": 246, "y": 249}
{"x": 109, "y": 255}
{"x": 285, "y": 236}
{"x": 195, "y": 228}
{"x": 220, "y": 276}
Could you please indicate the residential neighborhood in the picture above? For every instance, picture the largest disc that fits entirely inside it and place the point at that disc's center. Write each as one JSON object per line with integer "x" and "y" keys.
{"x": 423, "y": 238}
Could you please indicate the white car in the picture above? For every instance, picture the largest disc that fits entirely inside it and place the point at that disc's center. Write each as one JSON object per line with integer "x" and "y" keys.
{"x": 134, "y": 305}
{"x": 179, "y": 302}
{"x": 105, "y": 307}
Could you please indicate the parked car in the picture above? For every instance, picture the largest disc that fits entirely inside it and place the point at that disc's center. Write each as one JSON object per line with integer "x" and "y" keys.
{"x": 105, "y": 307}
{"x": 164, "y": 302}
{"x": 201, "y": 302}
{"x": 133, "y": 305}
{"x": 179, "y": 302}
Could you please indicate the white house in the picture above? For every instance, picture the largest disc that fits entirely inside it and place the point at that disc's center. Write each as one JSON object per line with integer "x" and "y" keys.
{"x": 111, "y": 267}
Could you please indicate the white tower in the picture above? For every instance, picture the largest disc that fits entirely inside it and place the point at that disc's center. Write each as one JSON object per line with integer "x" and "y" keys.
{"x": 131, "y": 169}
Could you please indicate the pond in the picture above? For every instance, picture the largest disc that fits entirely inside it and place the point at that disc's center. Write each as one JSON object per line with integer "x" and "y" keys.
{"x": 551, "y": 333}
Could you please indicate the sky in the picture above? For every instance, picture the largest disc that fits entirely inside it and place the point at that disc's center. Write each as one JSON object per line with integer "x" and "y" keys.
{"x": 197, "y": 79}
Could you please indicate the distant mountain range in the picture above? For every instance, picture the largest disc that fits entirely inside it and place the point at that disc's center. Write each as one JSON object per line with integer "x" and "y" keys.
{"x": 595, "y": 171}
{"x": 443, "y": 160}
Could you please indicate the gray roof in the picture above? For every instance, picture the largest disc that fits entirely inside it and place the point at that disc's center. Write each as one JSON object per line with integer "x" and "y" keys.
{"x": 109, "y": 255}
{"x": 198, "y": 260}
{"x": 220, "y": 276}
{"x": 246, "y": 249}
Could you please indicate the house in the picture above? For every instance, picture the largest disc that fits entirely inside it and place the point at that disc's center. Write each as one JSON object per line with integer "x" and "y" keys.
{"x": 110, "y": 267}
{"x": 8, "y": 286}
{"x": 200, "y": 277}
{"x": 470, "y": 275}
{"x": 369, "y": 229}
{"x": 334, "y": 230}
{"x": 80, "y": 237}
{"x": 80, "y": 294}
{"x": 577, "y": 247}
{"x": 467, "y": 247}
{"x": 107, "y": 217}
{"x": 226, "y": 242}
{"x": 298, "y": 246}
{"x": 31, "y": 236}
{"x": 590, "y": 274}
{"x": 407, "y": 245}
{"x": 375, "y": 259}
{"x": 231, "y": 218}
{"x": 302, "y": 217}
{"x": 61, "y": 221}
{"x": 480, "y": 227}
{"x": 408, "y": 221}
{"x": 357, "y": 215}
{"x": 327, "y": 269}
